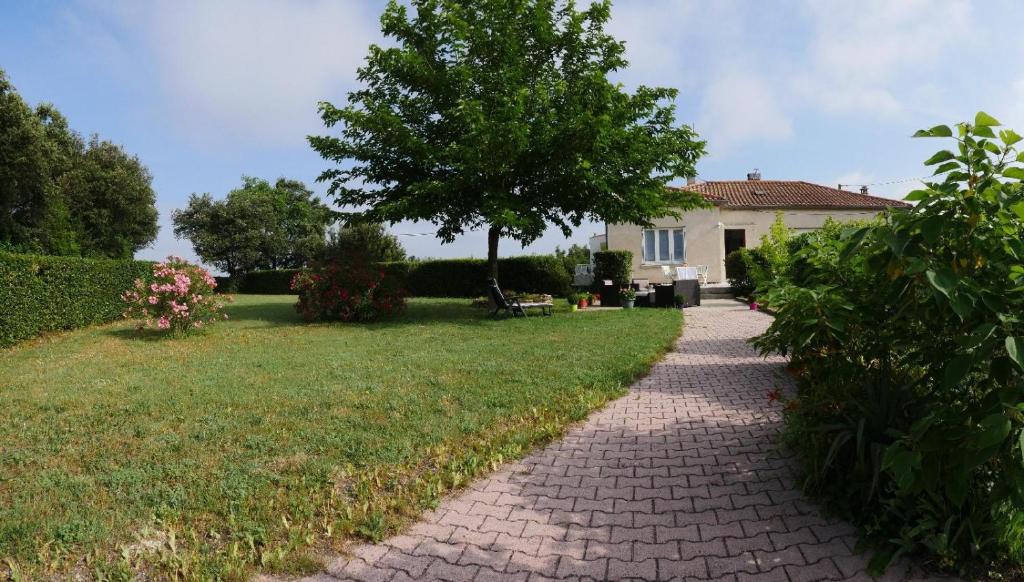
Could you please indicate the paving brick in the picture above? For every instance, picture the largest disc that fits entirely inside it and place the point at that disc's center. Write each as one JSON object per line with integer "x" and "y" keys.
{"x": 679, "y": 480}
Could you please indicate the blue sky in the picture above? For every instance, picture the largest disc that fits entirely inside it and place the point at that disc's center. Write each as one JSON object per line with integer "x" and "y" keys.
{"x": 205, "y": 91}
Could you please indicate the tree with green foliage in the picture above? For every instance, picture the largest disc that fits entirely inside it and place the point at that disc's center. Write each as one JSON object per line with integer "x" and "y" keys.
{"x": 574, "y": 255}
{"x": 258, "y": 226}
{"x": 110, "y": 195}
{"x": 26, "y": 187}
{"x": 60, "y": 195}
{"x": 500, "y": 115}
{"x": 370, "y": 241}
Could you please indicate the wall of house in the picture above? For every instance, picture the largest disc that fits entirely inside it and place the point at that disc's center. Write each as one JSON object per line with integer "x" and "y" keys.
{"x": 705, "y": 237}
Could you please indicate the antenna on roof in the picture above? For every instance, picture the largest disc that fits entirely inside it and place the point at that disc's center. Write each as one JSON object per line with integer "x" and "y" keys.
{"x": 755, "y": 175}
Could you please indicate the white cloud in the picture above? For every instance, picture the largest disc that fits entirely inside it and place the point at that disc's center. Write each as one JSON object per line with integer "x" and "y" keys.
{"x": 250, "y": 69}
{"x": 861, "y": 52}
{"x": 741, "y": 107}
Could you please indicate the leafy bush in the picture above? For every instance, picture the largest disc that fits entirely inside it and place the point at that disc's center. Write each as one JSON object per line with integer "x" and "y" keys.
{"x": 468, "y": 277}
{"x": 41, "y": 293}
{"x": 614, "y": 265}
{"x": 740, "y": 266}
{"x": 347, "y": 291}
{"x": 443, "y": 277}
{"x": 907, "y": 338}
{"x": 180, "y": 298}
{"x": 277, "y": 282}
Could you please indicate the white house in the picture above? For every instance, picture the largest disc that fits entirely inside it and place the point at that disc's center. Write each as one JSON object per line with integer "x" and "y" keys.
{"x": 742, "y": 212}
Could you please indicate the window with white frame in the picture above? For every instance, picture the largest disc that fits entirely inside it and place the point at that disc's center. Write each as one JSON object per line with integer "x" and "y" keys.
{"x": 664, "y": 245}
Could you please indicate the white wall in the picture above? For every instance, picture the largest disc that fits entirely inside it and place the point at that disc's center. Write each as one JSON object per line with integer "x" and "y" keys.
{"x": 705, "y": 238}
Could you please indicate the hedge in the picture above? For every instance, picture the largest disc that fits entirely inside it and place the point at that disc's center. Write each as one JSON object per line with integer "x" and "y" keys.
{"x": 614, "y": 265}
{"x": 468, "y": 277}
{"x": 277, "y": 282}
{"x": 43, "y": 293}
{"x": 442, "y": 277}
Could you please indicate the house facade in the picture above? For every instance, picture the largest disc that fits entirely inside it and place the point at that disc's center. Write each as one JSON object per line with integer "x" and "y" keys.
{"x": 742, "y": 212}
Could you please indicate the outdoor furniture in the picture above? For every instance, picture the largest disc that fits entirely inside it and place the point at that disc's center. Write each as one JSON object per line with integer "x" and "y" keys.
{"x": 512, "y": 306}
{"x": 641, "y": 284}
{"x": 611, "y": 296}
{"x": 690, "y": 291}
{"x": 665, "y": 295}
{"x": 686, "y": 273}
{"x": 702, "y": 274}
{"x": 644, "y": 298}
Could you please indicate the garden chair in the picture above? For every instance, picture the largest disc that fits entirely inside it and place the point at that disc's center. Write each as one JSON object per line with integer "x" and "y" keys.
{"x": 512, "y": 306}
{"x": 702, "y": 274}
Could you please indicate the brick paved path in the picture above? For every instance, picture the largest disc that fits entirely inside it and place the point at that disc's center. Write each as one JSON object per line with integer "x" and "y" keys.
{"x": 679, "y": 479}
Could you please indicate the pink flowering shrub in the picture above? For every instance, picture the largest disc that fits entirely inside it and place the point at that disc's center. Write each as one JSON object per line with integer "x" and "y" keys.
{"x": 180, "y": 298}
{"x": 347, "y": 291}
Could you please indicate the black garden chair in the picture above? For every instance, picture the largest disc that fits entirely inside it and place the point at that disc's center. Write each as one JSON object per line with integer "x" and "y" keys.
{"x": 512, "y": 306}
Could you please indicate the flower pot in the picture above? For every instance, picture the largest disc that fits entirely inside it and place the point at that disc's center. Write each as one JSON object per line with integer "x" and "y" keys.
{"x": 628, "y": 303}
{"x": 583, "y": 304}
{"x": 574, "y": 307}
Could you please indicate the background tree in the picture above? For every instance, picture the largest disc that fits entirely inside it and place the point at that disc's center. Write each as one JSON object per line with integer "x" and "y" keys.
{"x": 499, "y": 114}
{"x": 574, "y": 255}
{"x": 111, "y": 198}
{"x": 258, "y": 226}
{"x": 60, "y": 195}
{"x": 26, "y": 188}
{"x": 367, "y": 240}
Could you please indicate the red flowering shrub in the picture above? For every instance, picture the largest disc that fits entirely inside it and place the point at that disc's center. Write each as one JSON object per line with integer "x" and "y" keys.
{"x": 347, "y": 291}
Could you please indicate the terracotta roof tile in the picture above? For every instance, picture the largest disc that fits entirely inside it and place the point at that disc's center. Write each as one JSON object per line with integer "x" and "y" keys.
{"x": 787, "y": 194}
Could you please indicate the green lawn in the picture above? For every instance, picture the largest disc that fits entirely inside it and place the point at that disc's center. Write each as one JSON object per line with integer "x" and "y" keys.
{"x": 263, "y": 440}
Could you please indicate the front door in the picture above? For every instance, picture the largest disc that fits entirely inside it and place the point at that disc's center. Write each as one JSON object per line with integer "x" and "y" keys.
{"x": 735, "y": 239}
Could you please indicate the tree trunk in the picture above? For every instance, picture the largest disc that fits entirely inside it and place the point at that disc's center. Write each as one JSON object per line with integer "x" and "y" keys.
{"x": 492, "y": 252}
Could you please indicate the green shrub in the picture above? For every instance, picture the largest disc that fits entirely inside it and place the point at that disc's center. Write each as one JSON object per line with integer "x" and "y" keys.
{"x": 42, "y": 293}
{"x": 468, "y": 277}
{"x": 444, "y": 277}
{"x": 907, "y": 338}
{"x": 268, "y": 282}
{"x": 614, "y": 265}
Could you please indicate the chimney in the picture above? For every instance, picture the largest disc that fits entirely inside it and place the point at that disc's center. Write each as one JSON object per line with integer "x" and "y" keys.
{"x": 754, "y": 176}
{"x": 691, "y": 180}
{"x": 864, "y": 190}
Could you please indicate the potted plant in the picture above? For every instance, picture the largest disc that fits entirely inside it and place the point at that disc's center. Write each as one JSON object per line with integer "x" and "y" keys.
{"x": 583, "y": 300}
{"x": 573, "y": 299}
{"x": 680, "y": 301}
{"x": 595, "y": 299}
{"x": 628, "y": 295}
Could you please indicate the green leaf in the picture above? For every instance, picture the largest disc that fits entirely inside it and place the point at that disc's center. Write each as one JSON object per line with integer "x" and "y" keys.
{"x": 1009, "y": 137}
{"x": 1021, "y": 442}
{"x": 994, "y": 430}
{"x": 943, "y": 280}
{"x": 931, "y": 228}
{"x": 956, "y": 370}
{"x": 984, "y": 131}
{"x": 937, "y": 131}
{"x": 1018, "y": 209}
{"x": 1014, "y": 173}
{"x": 947, "y": 167}
{"x": 983, "y": 119}
{"x": 941, "y": 156}
{"x": 1013, "y": 348}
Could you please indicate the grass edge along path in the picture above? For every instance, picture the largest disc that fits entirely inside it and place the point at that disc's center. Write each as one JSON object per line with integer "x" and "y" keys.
{"x": 367, "y": 502}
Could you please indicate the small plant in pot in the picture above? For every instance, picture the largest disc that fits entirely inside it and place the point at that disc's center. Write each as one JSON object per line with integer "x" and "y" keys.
{"x": 628, "y": 297}
{"x": 584, "y": 300}
{"x": 573, "y": 299}
{"x": 680, "y": 301}
{"x": 595, "y": 299}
